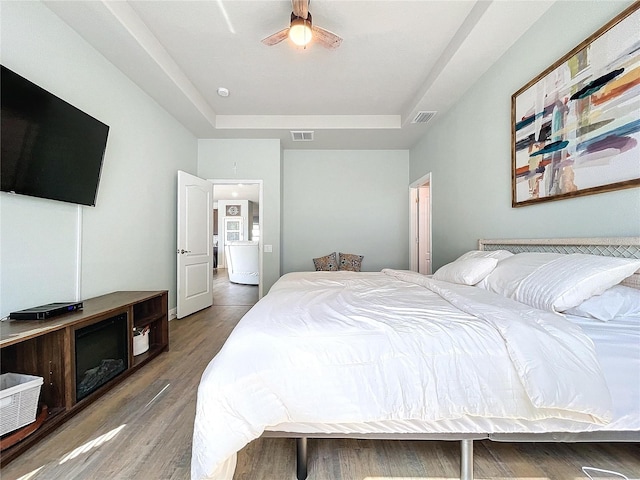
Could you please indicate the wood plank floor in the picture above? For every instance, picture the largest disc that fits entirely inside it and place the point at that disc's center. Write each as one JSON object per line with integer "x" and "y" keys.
{"x": 142, "y": 430}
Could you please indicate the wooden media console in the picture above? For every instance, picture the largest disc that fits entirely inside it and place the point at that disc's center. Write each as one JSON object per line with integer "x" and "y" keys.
{"x": 47, "y": 349}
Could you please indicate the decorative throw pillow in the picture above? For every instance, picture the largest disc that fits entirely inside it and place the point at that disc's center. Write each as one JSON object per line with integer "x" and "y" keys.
{"x": 327, "y": 263}
{"x": 350, "y": 262}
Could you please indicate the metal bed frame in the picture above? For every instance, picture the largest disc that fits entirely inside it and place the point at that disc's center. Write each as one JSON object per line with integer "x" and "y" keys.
{"x": 624, "y": 247}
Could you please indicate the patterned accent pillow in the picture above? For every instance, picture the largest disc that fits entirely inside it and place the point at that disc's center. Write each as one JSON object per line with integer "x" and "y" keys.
{"x": 350, "y": 262}
{"x": 328, "y": 263}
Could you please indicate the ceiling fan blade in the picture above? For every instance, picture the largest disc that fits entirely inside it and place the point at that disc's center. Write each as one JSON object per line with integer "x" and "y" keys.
{"x": 276, "y": 37}
{"x": 325, "y": 37}
{"x": 300, "y": 8}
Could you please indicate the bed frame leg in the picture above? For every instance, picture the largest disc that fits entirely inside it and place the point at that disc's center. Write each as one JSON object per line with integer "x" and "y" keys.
{"x": 301, "y": 458}
{"x": 466, "y": 459}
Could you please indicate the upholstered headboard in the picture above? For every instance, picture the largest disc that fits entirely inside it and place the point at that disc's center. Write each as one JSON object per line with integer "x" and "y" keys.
{"x": 624, "y": 247}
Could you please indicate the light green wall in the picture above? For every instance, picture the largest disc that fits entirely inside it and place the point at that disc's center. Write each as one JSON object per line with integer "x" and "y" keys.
{"x": 53, "y": 251}
{"x": 250, "y": 160}
{"x": 350, "y": 201}
{"x": 468, "y": 151}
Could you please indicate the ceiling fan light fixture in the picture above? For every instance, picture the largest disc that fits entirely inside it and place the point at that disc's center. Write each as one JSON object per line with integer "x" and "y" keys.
{"x": 300, "y": 30}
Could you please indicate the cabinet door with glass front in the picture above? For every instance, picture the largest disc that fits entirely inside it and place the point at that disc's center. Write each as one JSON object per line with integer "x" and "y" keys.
{"x": 233, "y": 229}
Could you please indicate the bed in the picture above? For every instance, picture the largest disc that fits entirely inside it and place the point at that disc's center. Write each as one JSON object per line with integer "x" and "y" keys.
{"x": 501, "y": 344}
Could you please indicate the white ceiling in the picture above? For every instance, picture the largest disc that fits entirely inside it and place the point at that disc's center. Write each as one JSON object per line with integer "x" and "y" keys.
{"x": 229, "y": 191}
{"x": 397, "y": 58}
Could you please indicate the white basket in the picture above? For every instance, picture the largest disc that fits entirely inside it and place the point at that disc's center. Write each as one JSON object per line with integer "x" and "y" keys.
{"x": 140, "y": 343}
{"x": 18, "y": 400}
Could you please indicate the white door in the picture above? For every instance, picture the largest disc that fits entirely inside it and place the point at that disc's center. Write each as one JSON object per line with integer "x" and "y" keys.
{"x": 195, "y": 252}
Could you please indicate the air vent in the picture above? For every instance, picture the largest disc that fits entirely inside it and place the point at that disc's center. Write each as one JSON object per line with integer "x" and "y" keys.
{"x": 423, "y": 117}
{"x": 302, "y": 135}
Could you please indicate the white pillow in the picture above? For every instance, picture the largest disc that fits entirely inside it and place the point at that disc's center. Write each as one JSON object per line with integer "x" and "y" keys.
{"x": 466, "y": 272}
{"x": 512, "y": 270}
{"x": 557, "y": 282}
{"x": 497, "y": 254}
{"x": 618, "y": 301}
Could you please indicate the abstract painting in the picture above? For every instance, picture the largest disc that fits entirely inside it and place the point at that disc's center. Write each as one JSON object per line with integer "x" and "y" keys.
{"x": 575, "y": 128}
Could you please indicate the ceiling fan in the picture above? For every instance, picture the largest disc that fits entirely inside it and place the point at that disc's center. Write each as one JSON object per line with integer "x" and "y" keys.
{"x": 302, "y": 30}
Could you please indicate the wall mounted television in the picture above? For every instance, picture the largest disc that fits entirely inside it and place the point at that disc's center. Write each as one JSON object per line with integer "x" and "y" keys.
{"x": 50, "y": 149}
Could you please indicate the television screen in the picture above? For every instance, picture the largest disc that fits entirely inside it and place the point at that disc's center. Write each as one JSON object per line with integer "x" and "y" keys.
{"x": 50, "y": 149}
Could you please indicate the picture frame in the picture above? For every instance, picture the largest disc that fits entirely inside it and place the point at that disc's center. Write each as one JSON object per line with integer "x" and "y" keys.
{"x": 234, "y": 210}
{"x": 575, "y": 128}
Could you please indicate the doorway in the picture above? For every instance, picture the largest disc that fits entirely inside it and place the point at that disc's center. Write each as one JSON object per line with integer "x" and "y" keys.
{"x": 237, "y": 205}
{"x": 420, "y": 193}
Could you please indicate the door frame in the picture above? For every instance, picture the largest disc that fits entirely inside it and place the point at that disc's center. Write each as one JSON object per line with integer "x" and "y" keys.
{"x": 235, "y": 181}
{"x": 414, "y": 187}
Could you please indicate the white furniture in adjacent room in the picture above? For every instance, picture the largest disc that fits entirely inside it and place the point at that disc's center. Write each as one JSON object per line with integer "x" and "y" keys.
{"x": 243, "y": 262}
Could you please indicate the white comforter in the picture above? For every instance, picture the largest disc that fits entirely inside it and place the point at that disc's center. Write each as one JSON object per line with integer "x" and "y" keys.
{"x": 341, "y": 347}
